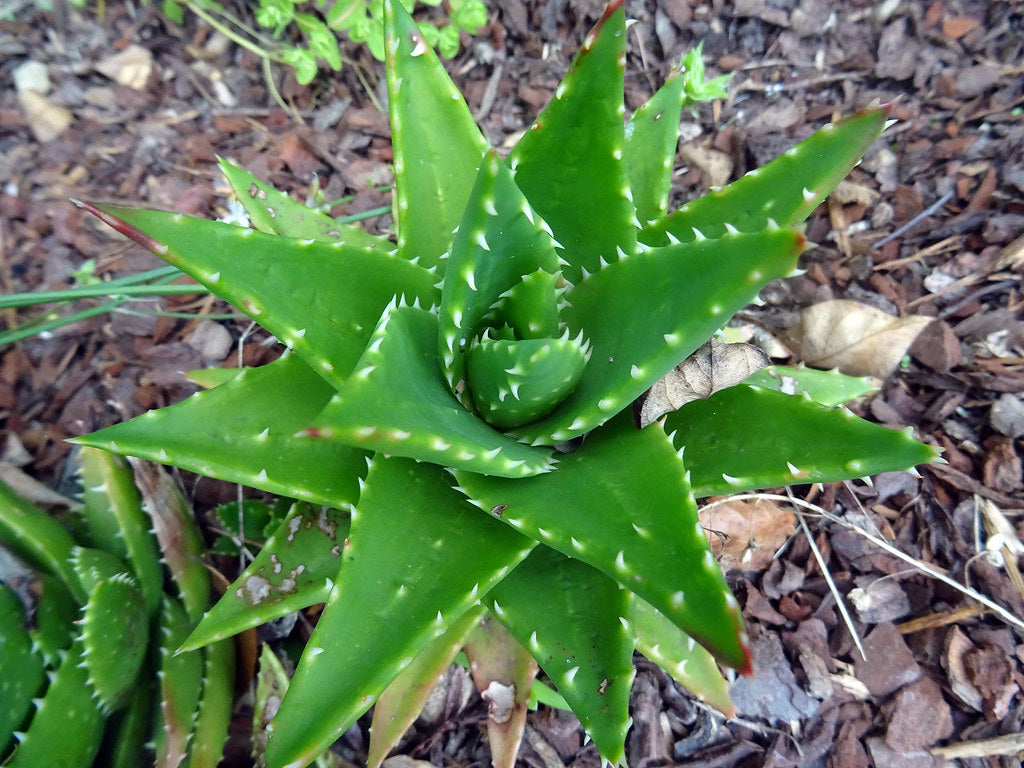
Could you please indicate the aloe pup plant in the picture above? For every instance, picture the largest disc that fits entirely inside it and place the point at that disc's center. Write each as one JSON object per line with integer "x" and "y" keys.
{"x": 89, "y": 675}
{"x": 457, "y": 409}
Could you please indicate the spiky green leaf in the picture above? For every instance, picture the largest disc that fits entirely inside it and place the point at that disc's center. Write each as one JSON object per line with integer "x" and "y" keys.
{"x": 624, "y": 506}
{"x": 575, "y": 622}
{"x": 744, "y": 438}
{"x": 398, "y": 402}
{"x": 343, "y": 289}
{"x": 244, "y": 431}
{"x": 785, "y": 191}
{"x": 434, "y": 166}
{"x": 115, "y": 636}
{"x": 570, "y": 164}
{"x": 645, "y": 314}
{"x": 273, "y": 211}
{"x": 688, "y": 662}
{"x": 67, "y": 727}
{"x": 293, "y": 570}
{"x": 443, "y": 556}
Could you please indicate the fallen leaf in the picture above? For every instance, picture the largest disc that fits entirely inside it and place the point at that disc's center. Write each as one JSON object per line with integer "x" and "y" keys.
{"x": 715, "y": 163}
{"x": 958, "y": 26}
{"x": 981, "y": 676}
{"x": 856, "y": 338}
{"x": 46, "y": 119}
{"x": 746, "y": 534}
{"x": 130, "y": 67}
{"x": 32, "y": 490}
{"x": 712, "y": 367}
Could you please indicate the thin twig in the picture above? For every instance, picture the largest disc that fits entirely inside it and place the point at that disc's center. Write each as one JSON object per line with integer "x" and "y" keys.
{"x": 916, "y": 220}
{"x": 885, "y": 546}
{"x": 847, "y": 619}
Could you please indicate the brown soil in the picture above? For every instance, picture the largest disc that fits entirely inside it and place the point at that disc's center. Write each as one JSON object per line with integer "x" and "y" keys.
{"x": 930, "y": 224}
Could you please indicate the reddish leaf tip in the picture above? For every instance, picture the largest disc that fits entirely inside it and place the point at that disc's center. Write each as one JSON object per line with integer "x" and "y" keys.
{"x": 123, "y": 227}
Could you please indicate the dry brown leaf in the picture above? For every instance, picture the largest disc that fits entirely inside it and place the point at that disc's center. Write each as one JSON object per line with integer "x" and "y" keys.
{"x": 856, "y": 338}
{"x": 851, "y": 192}
{"x": 46, "y": 119}
{"x": 746, "y": 534}
{"x": 715, "y": 163}
{"x": 130, "y": 67}
{"x": 712, "y": 367}
{"x": 32, "y": 490}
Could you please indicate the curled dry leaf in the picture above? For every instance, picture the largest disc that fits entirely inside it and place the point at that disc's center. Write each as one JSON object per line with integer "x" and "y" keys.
{"x": 712, "y": 367}
{"x": 856, "y": 338}
{"x": 746, "y": 534}
{"x": 131, "y": 66}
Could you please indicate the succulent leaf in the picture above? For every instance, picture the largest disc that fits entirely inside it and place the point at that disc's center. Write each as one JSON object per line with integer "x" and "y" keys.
{"x": 113, "y": 511}
{"x": 249, "y": 429}
{"x": 274, "y": 212}
{"x": 403, "y": 700}
{"x": 344, "y": 289}
{"x": 680, "y": 655}
{"x": 443, "y": 555}
{"x": 32, "y": 534}
{"x": 644, "y": 314}
{"x": 651, "y": 138}
{"x": 515, "y": 382}
{"x": 56, "y": 614}
{"x": 21, "y": 669}
{"x": 181, "y": 684}
{"x": 67, "y": 727}
{"x": 293, "y": 570}
{"x": 398, "y": 402}
{"x": 745, "y": 438}
{"x": 437, "y": 145}
{"x": 624, "y": 506}
{"x": 825, "y": 387}
{"x": 115, "y": 637}
{"x": 215, "y": 704}
{"x": 500, "y": 241}
{"x": 94, "y": 566}
{"x": 504, "y": 673}
{"x": 785, "y": 191}
{"x": 175, "y": 530}
{"x": 569, "y": 163}
{"x": 575, "y": 622}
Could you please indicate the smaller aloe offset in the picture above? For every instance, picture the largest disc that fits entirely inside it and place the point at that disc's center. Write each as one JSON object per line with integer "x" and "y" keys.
{"x": 456, "y": 410}
{"x": 90, "y": 677}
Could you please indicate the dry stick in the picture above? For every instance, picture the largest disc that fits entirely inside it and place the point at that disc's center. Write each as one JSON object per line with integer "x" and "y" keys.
{"x": 997, "y": 609}
{"x": 916, "y": 220}
{"x": 847, "y": 619}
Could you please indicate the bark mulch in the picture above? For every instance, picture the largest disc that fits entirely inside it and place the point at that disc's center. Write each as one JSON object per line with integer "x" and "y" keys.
{"x": 929, "y": 224}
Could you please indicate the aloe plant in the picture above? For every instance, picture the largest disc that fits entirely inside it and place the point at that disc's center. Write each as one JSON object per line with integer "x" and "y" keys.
{"x": 455, "y": 410}
{"x": 86, "y": 674}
